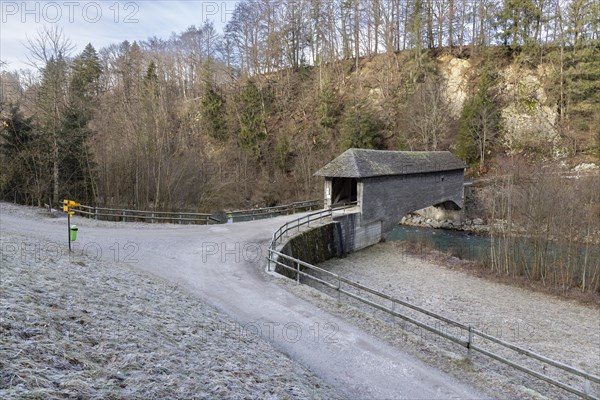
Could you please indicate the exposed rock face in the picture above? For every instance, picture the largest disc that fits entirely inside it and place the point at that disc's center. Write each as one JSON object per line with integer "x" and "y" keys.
{"x": 585, "y": 167}
{"x": 476, "y": 225}
{"x": 455, "y": 72}
{"x": 529, "y": 114}
{"x": 527, "y": 118}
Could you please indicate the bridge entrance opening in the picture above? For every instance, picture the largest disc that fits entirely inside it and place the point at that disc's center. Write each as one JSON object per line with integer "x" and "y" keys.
{"x": 344, "y": 191}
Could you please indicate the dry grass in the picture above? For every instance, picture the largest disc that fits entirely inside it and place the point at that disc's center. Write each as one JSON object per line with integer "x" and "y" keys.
{"x": 75, "y": 329}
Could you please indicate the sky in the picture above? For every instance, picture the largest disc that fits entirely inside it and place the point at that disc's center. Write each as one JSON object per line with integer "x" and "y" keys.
{"x": 101, "y": 22}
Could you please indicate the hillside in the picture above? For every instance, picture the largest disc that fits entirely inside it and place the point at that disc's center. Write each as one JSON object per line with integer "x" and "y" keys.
{"x": 141, "y": 140}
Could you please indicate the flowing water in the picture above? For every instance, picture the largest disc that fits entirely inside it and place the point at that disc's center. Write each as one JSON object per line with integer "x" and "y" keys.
{"x": 464, "y": 245}
{"x": 469, "y": 246}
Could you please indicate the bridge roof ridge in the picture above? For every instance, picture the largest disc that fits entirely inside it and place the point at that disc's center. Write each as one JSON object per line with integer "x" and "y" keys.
{"x": 365, "y": 163}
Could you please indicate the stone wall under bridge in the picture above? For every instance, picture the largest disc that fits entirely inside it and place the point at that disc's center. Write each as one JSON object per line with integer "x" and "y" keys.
{"x": 343, "y": 235}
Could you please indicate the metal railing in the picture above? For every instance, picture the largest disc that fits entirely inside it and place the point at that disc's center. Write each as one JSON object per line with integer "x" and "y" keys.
{"x": 351, "y": 288}
{"x": 304, "y": 220}
{"x": 268, "y": 212}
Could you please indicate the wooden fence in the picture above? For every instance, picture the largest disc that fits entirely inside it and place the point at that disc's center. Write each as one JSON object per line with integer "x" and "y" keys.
{"x": 184, "y": 217}
{"x": 125, "y": 215}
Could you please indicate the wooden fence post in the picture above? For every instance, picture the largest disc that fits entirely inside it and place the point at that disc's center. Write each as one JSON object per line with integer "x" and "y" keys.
{"x": 586, "y": 386}
{"x": 469, "y": 342}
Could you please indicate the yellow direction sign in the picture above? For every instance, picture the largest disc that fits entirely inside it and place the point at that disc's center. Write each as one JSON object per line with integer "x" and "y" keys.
{"x": 67, "y": 204}
{"x": 70, "y": 203}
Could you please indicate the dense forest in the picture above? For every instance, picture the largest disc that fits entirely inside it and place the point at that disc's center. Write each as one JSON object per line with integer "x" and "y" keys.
{"x": 207, "y": 120}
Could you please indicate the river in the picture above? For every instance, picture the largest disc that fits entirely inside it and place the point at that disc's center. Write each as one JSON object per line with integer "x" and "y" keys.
{"x": 475, "y": 247}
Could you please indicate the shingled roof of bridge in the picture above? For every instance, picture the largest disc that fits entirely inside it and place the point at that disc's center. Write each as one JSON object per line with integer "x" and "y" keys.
{"x": 363, "y": 163}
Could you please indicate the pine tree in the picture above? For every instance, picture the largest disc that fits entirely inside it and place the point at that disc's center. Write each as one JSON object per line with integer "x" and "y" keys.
{"x": 23, "y": 151}
{"x": 213, "y": 113}
{"x": 253, "y": 129}
{"x": 85, "y": 77}
{"x": 360, "y": 128}
{"x": 326, "y": 108}
{"x": 519, "y": 23}
{"x": 480, "y": 121}
{"x": 282, "y": 154}
{"x": 16, "y": 132}
{"x": 150, "y": 87}
{"x": 76, "y": 161}
{"x": 579, "y": 76}
{"x": 415, "y": 29}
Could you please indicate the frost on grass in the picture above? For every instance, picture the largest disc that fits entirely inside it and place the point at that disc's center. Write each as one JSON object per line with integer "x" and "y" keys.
{"x": 82, "y": 329}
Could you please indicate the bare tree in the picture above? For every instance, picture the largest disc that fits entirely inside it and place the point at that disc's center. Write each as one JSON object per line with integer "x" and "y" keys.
{"x": 427, "y": 116}
{"x": 49, "y": 43}
{"x": 48, "y": 53}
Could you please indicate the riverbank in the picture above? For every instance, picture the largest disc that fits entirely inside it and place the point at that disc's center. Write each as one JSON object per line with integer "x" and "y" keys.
{"x": 475, "y": 225}
{"x": 561, "y": 329}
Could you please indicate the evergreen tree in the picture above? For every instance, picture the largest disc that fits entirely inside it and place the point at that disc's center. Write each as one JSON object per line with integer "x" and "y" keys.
{"x": 327, "y": 109}
{"x": 360, "y": 128}
{"x": 519, "y": 22}
{"x": 76, "y": 161}
{"x": 15, "y": 135}
{"x": 415, "y": 28}
{"x": 480, "y": 121}
{"x": 25, "y": 159}
{"x": 282, "y": 154}
{"x": 85, "y": 76}
{"x": 77, "y": 164}
{"x": 150, "y": 82}
{"x": 16, "y": 132}
{"x": 253, "y": 130}
{"x": 578, "y": 78}
{"x": 213, "y": 113}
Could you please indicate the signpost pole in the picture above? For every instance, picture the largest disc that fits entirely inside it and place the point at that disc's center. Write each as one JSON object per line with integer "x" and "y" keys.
{"x": 69, "y": 229}
{"x": 67, "y": 204}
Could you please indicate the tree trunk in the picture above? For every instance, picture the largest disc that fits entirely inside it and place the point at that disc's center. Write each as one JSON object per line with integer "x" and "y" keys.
{"x": 55, "y": 175}
{"x": 377, "y": 21}
{"x": 450, "y": 23}
{"x": 430, "y": 43}
{"x": 356, "y": 36}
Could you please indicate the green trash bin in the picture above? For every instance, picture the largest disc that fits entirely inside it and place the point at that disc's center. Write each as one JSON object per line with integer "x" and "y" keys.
{"x": 73, "y": 233}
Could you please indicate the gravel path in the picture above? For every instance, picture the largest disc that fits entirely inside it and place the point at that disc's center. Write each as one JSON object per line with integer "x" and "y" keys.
{"x": 224, "y": 266}
{"x": 75, "y": 328}
{"x": 562, "y": 330}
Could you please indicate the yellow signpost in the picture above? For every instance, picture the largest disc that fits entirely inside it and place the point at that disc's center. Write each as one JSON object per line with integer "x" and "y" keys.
{"x": 67, "y": 205}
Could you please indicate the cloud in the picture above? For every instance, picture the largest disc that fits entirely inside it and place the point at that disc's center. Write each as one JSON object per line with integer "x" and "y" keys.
{"x": 101, "y": 22}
